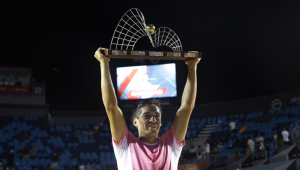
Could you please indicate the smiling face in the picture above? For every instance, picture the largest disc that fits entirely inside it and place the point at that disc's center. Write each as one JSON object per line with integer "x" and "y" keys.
{"x": 148, "y": 121}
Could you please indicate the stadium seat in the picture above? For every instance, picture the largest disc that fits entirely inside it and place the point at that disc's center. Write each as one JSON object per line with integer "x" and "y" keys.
{"x": 236, "y": 116}
{"x": 242, "y": 116}
{"x": 192, "y": 121}
{"x": 214, "y": 120}
{"x": 106, "y": 147}
{"x": 209, "y": 120}
{"x": 98, "y": 167}
{"x": 105, "y": 128}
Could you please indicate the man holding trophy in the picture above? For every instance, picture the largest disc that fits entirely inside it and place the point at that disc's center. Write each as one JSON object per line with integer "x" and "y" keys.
{"x": 148, "y": 151}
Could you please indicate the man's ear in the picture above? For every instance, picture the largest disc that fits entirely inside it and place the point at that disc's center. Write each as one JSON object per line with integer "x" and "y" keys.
{"x": 135, "y": 122}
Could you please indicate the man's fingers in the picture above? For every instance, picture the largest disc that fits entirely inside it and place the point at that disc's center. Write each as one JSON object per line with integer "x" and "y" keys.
{"x": 99, "y": 49}
{"x": 194, "y": 61}
{"x": 99, "y": 56}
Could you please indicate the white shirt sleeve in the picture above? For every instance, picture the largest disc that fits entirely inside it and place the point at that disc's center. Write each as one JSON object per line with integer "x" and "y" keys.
{"x": 122, "y": 152}
{"x": 207, "y": 148}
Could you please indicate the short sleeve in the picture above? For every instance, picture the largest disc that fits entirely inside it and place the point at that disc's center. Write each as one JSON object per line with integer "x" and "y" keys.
{"x": 170, "y": 138}
{"x": 122, "y": 139}
{"x": 172, "y": 135}
{"x": 122, "y": 151}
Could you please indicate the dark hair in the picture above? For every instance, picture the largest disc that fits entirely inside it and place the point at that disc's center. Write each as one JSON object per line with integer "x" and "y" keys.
{"x": 139, "y": 105}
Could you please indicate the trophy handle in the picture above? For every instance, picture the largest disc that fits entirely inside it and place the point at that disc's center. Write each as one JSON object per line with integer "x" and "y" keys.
{"x": 159, "y": 55}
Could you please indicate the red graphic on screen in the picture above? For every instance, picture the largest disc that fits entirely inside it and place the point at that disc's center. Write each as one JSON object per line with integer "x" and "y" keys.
{"x": 126, "y": 82}
{"x": 135, "y": 94}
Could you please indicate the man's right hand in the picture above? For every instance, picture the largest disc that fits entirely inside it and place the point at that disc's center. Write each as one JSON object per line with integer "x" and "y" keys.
{"x": 99, "y": 56}
{"x": 114, "y": 113}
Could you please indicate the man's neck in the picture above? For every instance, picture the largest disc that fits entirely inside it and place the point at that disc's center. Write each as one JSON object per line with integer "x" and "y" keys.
{"x": 150, "y": 140}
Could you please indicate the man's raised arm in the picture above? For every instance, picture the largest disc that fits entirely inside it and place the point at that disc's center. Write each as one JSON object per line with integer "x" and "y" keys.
{"x": 115, "y": 115}
{"x": 188, "y": 100}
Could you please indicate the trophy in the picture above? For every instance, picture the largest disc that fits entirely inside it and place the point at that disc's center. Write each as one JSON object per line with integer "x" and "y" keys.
{"x": 132, "y": 27}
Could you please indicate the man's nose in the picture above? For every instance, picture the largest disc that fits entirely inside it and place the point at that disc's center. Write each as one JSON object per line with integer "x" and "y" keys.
{"x": 152, "y": 119}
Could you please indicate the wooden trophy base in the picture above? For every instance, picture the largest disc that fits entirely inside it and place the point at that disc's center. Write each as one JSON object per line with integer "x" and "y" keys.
{"x": 158, "y": 55}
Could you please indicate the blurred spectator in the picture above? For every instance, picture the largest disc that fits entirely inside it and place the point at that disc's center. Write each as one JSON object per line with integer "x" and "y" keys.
{"x": 260, "y": 147}
{"x": 90, "y": 134}
{"x": 34, "y": 151}
{"x": 242, "y": 129}
{"x": 76, "y": 167}
{"x": 81, "y": 167}
{"x": 101, "y": 126}
{"x": 232, "y": 126}
{"x": 259, "y": 141}
{"x": 279, "y": 141}
{"x": 25, "y": 152}
{"x": 206, "y": 149}
{"x": 285, "y": 135}
{"x": 84, "y": 133}
{"x": 267, "y": 145}
{"x": 96, "y": 128}
{"x": 275, "y": 135}
{"x": 193, "y": 151}
{"x": 199, "y": 152}
{"x": 1, "y": 166}
{"x": 48, "y": 167}
{"x": 75, "y": 133}
{"x": 236, "y": 152}
{"x": 250, "y": 144}
{"x": 55, "y": 159}
{"x": 10, "y": 160}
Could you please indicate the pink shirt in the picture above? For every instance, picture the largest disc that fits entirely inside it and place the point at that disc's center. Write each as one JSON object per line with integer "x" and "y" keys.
{"x": 134, "y": 154}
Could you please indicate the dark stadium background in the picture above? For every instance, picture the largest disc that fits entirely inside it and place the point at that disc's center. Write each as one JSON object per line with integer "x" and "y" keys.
{"x": 250, "y": 49}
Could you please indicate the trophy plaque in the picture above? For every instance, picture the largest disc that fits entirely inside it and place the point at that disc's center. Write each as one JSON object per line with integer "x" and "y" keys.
{"x": 132, "y": 27}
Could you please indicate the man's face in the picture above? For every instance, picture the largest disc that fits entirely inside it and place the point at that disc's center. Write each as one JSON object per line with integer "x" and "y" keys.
{"x": 149, "y": 120}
